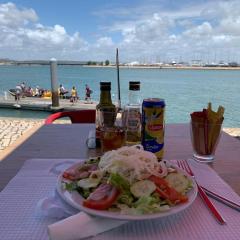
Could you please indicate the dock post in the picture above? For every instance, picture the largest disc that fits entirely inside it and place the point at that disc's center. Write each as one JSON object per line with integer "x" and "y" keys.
{"x": 54, "y": 84}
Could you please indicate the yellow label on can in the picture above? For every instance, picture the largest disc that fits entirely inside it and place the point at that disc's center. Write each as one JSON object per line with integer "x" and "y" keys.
{"x": 153, "y": 130}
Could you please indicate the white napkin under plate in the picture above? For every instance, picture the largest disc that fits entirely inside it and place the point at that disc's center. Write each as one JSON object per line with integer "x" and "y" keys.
{"x": 76, "y": 225}
{"x": 54, "y": 207}
{"x": 81, "y": 226}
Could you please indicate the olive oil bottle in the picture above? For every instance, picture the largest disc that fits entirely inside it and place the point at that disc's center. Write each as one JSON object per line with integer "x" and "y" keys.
{"x": 105, "y": 105}
{"x": 105, "y": 102}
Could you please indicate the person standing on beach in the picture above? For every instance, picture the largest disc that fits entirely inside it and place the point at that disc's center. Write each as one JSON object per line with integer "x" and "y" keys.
{"x": 73, "y": 98}
{"x": 88, "y": 92}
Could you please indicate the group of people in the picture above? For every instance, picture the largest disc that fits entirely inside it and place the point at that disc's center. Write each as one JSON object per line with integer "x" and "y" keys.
{"x": 22, "y": 90}
{"x": 75, "y": 97}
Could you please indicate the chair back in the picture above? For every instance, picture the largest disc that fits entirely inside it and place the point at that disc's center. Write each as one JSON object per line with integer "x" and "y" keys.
{"x": 80, "y": 116}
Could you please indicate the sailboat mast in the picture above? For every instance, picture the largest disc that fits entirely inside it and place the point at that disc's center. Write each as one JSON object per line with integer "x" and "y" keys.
{"x": 118, "y": 80}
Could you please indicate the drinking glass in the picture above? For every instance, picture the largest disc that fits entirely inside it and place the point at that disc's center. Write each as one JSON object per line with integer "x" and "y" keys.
{"x": 112, "y": 131}
{"x": 205, "y": 137}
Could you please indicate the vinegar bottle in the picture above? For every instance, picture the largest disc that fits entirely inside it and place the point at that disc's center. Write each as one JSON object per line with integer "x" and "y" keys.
{"x": 132, "y": 114}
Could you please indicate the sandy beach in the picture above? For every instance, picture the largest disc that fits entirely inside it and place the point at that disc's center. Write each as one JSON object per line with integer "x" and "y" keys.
{"x": 14, "y": 131}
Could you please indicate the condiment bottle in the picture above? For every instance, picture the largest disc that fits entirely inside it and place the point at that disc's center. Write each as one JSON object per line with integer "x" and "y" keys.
{"x": 105, "y": 97}
{"x": 132, "y": 114}
{"x": 105, "y": 104}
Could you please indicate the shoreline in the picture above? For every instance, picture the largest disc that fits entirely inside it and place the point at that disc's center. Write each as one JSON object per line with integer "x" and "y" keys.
{"x": 175, "y": 67}
{"x": 165, "y": 67}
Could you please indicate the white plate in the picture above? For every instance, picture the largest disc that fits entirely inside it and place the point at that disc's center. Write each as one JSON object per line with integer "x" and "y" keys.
{"x": 76, "y": 200}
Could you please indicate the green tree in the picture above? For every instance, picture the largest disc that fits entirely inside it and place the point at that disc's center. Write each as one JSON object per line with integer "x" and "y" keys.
{"x": 107, "y": 62}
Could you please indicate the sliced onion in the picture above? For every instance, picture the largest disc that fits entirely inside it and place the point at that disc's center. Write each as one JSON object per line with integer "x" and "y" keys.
{"x": 102, "y": 191}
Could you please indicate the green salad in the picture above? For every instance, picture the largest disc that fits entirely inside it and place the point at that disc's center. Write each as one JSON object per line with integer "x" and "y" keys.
{"x": 128, "y": 180}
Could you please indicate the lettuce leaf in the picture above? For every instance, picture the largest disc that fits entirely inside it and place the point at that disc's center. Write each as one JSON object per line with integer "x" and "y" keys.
{"x": 125, "y": 198}
{"x": 123, "y": 185}
{"x": 72, "y": 186}
{"x": 149, "y": 204}
{"x": 119, "y": 182}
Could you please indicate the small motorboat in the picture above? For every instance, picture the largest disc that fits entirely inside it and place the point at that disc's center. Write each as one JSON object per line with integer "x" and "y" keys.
{"x": 26, "y": 93}
{"x": 12, "y": 92}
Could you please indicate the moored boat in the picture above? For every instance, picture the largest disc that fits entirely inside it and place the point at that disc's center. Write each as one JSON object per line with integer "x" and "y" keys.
{"x": 12, "y": 92}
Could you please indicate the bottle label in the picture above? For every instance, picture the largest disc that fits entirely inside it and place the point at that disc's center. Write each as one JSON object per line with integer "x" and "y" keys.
{"x": 134, "y": 120}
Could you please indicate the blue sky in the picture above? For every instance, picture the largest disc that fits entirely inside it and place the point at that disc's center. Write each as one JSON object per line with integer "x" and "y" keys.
{"x": 73, "y": 15}
{"x": 144, "y": 30}
{"x": 86, "y": 17}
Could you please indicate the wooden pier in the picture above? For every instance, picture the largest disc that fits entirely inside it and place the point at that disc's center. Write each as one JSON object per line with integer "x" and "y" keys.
{"x": 43, "y": 104}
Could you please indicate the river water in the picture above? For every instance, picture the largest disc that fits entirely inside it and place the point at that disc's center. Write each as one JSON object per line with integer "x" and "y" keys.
{"x": 184, "y": 91}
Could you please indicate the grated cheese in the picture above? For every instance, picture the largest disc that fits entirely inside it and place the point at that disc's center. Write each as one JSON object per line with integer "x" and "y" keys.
{"x": 133, "y": 163}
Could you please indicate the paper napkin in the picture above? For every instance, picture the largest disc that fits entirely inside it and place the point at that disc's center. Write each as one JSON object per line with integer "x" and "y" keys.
{"x": 81, "y": 226}
{"x": 54, "y": 207}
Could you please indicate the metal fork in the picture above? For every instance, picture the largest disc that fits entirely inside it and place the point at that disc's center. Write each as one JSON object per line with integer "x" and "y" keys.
{"x": 185, "y": 166}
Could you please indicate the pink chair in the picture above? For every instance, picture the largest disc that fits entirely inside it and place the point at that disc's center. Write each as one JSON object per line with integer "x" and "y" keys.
{"x": 80, "y": 116}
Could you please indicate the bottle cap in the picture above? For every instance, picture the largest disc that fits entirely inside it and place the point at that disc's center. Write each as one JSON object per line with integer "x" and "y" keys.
{"x": 134, "y": 85}
{"x": 150, "y": 102}
{"x": 105, "y": 85}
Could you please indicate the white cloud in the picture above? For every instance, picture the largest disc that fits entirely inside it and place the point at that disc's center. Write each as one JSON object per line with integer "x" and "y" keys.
{"x": 11, "y": 16}
{"x": 230, "y": 25}
{"x": 152, "y": 32}
{"x": 21, "y": 36}
{"x": 201, "y": 31}
{"x": 46, "y": 35}
{"x": 104, "y": 41}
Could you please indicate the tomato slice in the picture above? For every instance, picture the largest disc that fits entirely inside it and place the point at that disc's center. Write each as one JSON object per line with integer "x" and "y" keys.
{"x": 102, "y": 198}
{"x": 167, "y": 192}
{"x": 160, "y": 182}
{"x": 68, "y": 176}
{"x": 161, "y": 193}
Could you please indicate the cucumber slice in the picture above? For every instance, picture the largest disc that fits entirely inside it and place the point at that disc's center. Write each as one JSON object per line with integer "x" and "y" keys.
{"x": 143, "y": 188}
{"x": 178, "y": 181}
{"x": 88, "y": 183}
